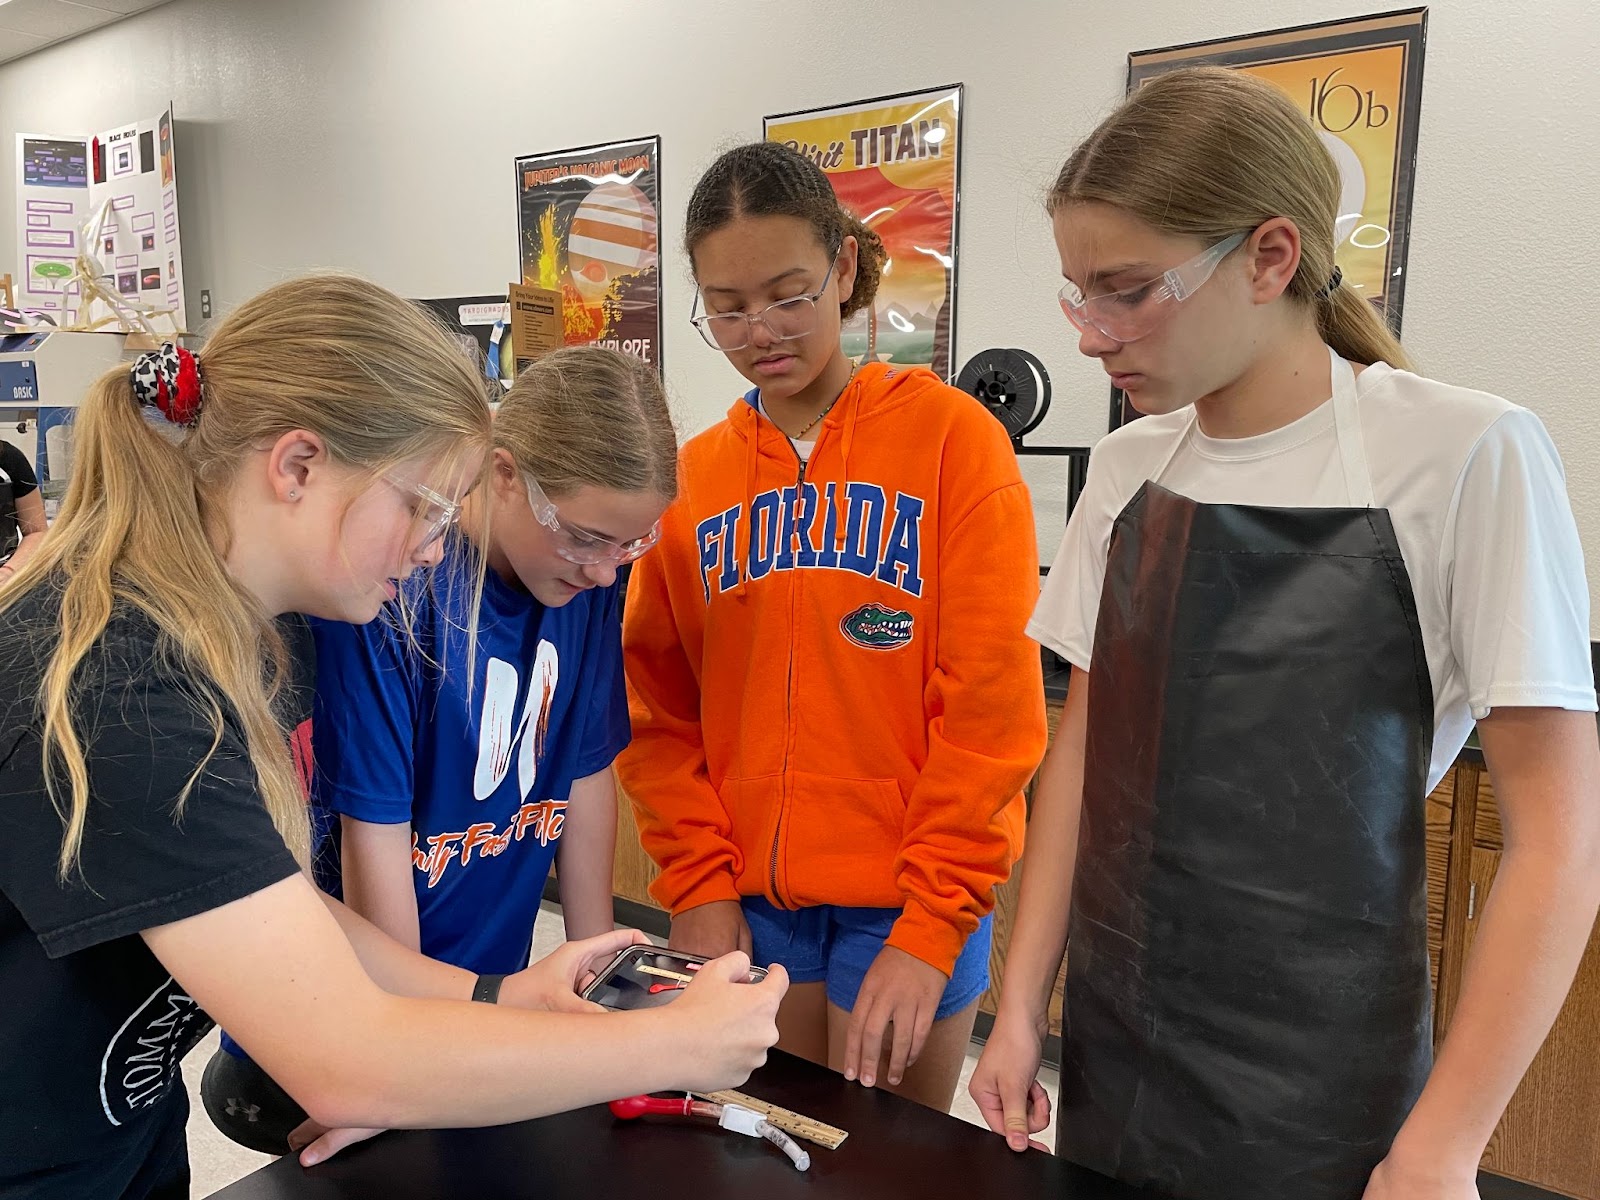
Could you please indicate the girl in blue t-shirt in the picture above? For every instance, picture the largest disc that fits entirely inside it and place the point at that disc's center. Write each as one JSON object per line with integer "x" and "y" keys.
{"x": 450, "y": 776}
{"x": 455, "y": 775}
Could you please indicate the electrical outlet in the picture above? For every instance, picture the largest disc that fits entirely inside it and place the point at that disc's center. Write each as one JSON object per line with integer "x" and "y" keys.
{"x": 205, "y": 304}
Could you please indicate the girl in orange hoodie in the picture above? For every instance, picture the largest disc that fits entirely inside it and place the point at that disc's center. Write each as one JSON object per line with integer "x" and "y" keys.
{"x": 835, "y": 707}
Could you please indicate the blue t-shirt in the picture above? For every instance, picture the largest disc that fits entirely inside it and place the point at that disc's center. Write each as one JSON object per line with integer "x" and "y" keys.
{"x": 483, "y": 773}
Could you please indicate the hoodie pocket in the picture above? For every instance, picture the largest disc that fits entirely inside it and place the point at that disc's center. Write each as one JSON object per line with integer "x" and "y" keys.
{"x": 752, "y": 806}
{"x": 839, "y": 840}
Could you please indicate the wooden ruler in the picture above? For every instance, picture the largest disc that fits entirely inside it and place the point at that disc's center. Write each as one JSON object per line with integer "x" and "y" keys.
{"x": 791, "y": 1123}
{"x": 662, "y": 973}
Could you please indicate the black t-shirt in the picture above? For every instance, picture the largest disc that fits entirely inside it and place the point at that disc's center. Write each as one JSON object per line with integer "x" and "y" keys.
{"x": 93, "y": 1026}
{"x": 16, "y": 481}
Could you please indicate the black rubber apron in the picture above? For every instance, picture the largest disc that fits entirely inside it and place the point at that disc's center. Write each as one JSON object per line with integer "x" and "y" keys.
{"x": 1248, "y": 1003}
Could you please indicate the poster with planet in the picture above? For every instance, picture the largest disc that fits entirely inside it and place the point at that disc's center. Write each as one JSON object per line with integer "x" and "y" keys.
{"x": 587, "y": 227}
{"x": 1360, "y": 83}
{"x": 895, "y": 163}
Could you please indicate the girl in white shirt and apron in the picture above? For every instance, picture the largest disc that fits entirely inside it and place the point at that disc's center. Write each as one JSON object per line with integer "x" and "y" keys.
{"x": 1287, "y": 593}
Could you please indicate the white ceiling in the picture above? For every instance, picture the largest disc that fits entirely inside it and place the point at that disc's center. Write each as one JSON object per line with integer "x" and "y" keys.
{"x": 29, "y": 25}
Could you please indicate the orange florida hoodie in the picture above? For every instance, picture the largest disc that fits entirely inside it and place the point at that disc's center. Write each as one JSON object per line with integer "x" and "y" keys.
{"x": 832, "y": 695}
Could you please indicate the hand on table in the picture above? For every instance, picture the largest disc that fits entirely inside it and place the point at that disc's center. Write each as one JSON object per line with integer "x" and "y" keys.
{"x": 711, "y": 930}
{"x": 1005, "y": 1084}
{"x": 899, "y": 990}
{"x": 316, "y": 1143}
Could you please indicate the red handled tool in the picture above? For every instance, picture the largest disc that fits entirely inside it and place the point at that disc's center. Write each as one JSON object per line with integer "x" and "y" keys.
{"x": 663, "y": 1106}
{"x": 729, "y": 1116}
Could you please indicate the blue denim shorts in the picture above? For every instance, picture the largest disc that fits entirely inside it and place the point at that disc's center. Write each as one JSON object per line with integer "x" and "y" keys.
{"x": 835, "y": 945}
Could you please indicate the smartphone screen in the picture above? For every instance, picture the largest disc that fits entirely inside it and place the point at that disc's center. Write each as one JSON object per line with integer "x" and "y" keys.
{"x": 647, "y": 977}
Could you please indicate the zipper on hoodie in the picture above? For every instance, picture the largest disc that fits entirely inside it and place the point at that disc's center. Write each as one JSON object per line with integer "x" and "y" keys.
{"x": 788, "y": 691}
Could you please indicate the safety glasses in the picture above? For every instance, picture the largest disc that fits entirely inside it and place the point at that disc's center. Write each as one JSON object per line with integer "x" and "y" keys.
{"x": 786, "y": 320}
{"x": 578, "y": 545}
{"x": 433, "y": 512}
{"x": 1132, "y": 313}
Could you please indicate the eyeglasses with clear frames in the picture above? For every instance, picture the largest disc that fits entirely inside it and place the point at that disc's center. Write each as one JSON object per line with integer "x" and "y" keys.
{"x": 434, "y": 513}
{"x": 1132, "y": 313}
{"x": 786, "y": 320}
{"x": 579, "y": 546}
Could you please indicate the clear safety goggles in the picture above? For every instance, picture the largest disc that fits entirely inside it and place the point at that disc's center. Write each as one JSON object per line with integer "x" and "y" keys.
{"x": 578, "y": 545}
{"x": 1132, "y": 313}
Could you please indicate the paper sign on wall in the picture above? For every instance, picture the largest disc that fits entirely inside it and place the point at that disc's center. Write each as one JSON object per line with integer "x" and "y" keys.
{"x": 536, "y": 323}
{"x": 130, "y": 173}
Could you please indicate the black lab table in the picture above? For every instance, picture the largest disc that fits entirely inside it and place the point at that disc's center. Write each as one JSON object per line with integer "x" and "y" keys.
{"x": 895, "y": 1149}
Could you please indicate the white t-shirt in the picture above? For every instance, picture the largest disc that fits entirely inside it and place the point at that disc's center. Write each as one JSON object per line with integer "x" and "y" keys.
{"x": 1478, "y": 498}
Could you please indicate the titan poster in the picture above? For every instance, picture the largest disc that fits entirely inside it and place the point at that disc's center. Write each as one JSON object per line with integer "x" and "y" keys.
{"x": 1360, "y": 82}
{"x": 895, "y": 163}
{"x": 587, "y": 228}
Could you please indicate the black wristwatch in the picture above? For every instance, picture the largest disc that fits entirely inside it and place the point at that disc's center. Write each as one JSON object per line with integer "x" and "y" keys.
{"x": 487, "y": 989}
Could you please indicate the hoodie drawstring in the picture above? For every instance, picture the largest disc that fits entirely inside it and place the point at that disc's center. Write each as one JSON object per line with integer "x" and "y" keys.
{"x": 753, "y": 458}
{"x": 851, "y": 412}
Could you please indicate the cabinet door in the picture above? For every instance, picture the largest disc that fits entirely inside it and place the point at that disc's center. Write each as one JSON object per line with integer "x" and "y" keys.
{"x": 632, "y": 870}
{"x": 1439, "y": 816}
{"x": 1551, "y": 1132}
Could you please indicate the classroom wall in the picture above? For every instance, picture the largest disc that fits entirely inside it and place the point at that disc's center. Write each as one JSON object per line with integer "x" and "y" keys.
{"x": 378, "y": 136}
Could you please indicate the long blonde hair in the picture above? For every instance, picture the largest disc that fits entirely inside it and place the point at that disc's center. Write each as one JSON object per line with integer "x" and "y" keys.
{"x": 144, "y": 524}
{"x": 587, "y": 415}
{"x": 1207, "y": 152}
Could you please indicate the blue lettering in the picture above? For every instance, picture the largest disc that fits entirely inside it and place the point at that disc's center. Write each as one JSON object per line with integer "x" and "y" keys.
{"x": 730, "y": 537}
{"x": 797, "y": 528}
{"x": 829, "y": 555}
{"x": 705, "y": 535}
{"x": 786, "y": 526}
{"x": 807, "y": 556}
{"x": 902, "y": 562}
{"x": 763, "y": 534}
{"x": 867, "y": 506}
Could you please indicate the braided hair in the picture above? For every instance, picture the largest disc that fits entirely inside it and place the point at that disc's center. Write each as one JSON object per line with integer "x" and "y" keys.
{"x": 769, "y": 179}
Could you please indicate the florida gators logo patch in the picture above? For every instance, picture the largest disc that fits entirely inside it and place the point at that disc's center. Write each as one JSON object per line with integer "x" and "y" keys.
{"x": 877, "y": 627}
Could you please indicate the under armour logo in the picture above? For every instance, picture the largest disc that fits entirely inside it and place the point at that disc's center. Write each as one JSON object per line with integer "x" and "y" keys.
{"x": 237, "y": 1108}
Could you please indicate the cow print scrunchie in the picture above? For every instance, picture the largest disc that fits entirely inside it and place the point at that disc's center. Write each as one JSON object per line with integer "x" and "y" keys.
{"x": 169, "y": 380}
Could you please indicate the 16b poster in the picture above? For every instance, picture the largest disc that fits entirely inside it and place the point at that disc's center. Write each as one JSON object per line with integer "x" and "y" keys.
{"x": 894, "y": 162}
{"x": 587, "y": 228}
{"x": 1360, "y": 83}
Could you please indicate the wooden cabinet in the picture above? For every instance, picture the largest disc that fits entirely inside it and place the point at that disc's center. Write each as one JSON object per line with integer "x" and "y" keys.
{"x": 632, "y": 870}
{"x": 1550, "y": 1136}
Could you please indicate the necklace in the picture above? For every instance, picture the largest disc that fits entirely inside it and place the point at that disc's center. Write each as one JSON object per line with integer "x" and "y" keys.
{"x": 812, "y": 424}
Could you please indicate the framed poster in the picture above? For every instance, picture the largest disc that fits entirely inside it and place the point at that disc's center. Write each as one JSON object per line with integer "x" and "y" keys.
{"x": 1360, "y": 82}
{"x": 895, "y": 162}
{"x": 587, "y": 228}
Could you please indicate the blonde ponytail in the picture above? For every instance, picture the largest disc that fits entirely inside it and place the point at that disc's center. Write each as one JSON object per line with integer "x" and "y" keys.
{"x": 144, "y": 522}
{"x": 1356, "y": 332}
